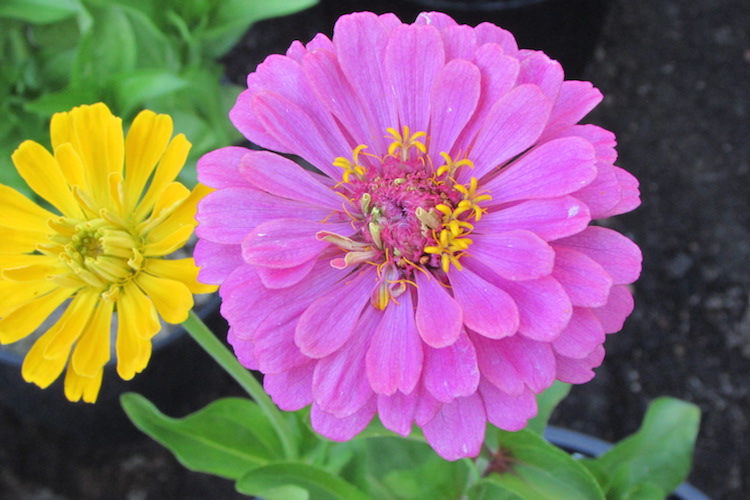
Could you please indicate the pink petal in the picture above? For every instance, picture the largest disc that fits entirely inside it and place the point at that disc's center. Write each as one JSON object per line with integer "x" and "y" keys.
{"x": 396, "y": 412}
{"x": 453, "y": 98}
{"x": 583, "y": 334}
{"x": 487, "y": 309}
{"x": 246, "y": 303}
{"x": 544, "y": 307}
{"x": 533, "y": 361}
{"x": 460, "y": 42}
{"x": 244, "y": 118}
{"x": 286, "y": 277}
{"x": 490, "y": 33}
{"x": 514, "y": 255}
{"x": 342, "y": 429}
{"x": 228, "y": 215}
{"x": 422, "y": 47}
{"x": 619, "y": 256}
{"x": 336, "y": 93}
{"x": 603, "y": 193}
{"x": 274, "y": 347}
{"x": 216, "y": 261}
{"x": 437, "y": 19}
{"x": 619, "y": 306}
{"x": 320, "y": 42}
{"x": 574, "y": 101}
{"x": 340, "y": 386}
{"x": 291, "y": 390}
{"x": 499, "y": 73}
{"x": 291, "y": 125}
{"x": 285, "y": 78}
{"x": 553, "y": 169}
{"x": 579, "y": 371}
{"x": 438, "y": 317}
{"x": 284, "y": 243}
{"x": 630, "y": 194}
{"x": 546, "y": 73}
{"x": 243, "y": 350}
{"x": 550, "y": 218}
{"x": 220, "y": 168}
{"x": 495, "y": 368}
{"x": 586, "y": 282}
{"x": 360, "y": 40}
{"x": 508, "y": 412}
{"x": 457, "y": 431}
{"x": 427, "y": 407}
{"x": 330, "y": 320}
{"x": 394, "y": 358}
{"x": 512, "y": 126}
{"x": 451, "y": 372}
{"x": 281, "y": 177}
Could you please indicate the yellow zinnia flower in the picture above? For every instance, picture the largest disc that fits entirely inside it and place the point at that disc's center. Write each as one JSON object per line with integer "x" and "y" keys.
{"x": 120, "y": 214}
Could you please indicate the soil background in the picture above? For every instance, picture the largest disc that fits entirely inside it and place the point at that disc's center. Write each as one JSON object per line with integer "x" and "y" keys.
{"x": 676, "y": 80}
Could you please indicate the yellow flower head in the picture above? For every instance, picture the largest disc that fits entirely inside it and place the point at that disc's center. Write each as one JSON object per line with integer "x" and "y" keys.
{"x": 116, "y": 212}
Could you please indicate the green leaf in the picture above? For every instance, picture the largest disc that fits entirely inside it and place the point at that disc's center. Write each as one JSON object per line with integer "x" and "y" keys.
{"x": 318, "y": 483}
{"x": 402, "y": 475}
{"x": 234, "y": 17}
{"x": 39, "y": 11}
{"x": 537, "y": 469}
{"x": 108, "y": 48}
{"x": 547, "y": 401}
{"x": 486, "y": 489}
{"x": 64, "y": 100}
{"x": 133, "y": 89}
{"x": 660, "y": 452}
{"x": 227, "y": 438}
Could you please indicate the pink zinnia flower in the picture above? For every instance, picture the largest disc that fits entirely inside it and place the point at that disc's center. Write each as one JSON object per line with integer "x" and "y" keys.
{"x": 441, "y": 269}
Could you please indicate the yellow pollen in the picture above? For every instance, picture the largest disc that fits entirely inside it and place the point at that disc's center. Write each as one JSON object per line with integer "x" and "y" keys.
{"x": 405, "y": 141}
{"x": 351, "y": 167}
{"x": 450, "y": 167}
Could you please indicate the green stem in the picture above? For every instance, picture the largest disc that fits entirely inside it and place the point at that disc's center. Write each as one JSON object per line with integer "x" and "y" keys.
{"x": 213, "y": 346}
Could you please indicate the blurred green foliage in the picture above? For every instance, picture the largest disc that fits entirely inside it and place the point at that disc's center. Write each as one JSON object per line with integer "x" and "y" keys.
{"x": 130, "y": 54}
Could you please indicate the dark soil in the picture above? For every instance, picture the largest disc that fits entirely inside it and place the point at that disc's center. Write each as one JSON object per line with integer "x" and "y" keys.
{"x": 675, "y": 75}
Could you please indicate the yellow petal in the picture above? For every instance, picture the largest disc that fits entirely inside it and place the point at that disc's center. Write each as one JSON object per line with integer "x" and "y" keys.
{"x": 78, "y": 387}
{"x": 167, "y": 242}
{"x": 9, "y": 261}
{"x": 147, "y": 140}
{"x": 183, "y": 270}
{"x": 41, "y": 172}
{"x": 183, "y": 214}
{"x": 34, "y": 272}
{"x": 169, "y": 166}
{"x": 71, "y": 165}
{"x": 19, "y": 241}
{"x": 60, "y": 129}
{"x": 18, "y": 212}
{"x": 39, "y": 369}
{"x": 70, "y": 326}
{"x": 137, "y": 322}
{"x": 14, "y": 294}
{"x": 98, "y": 140}
{"x": 91, "y": 352}
{"x": 172, "y": 299}
{"x": 27, "y": 318}
{"x": 173, "y": 195}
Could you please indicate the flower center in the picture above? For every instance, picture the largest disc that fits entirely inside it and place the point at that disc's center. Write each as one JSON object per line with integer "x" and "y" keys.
{"x": 97, "y": 253}
{"x": 408, "y": 213}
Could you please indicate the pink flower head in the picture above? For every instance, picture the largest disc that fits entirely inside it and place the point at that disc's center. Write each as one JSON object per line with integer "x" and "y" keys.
{"x": 441, "y": 269}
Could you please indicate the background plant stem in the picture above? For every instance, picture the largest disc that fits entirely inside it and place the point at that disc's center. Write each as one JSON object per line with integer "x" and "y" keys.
{"x": 213, "y": 346}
